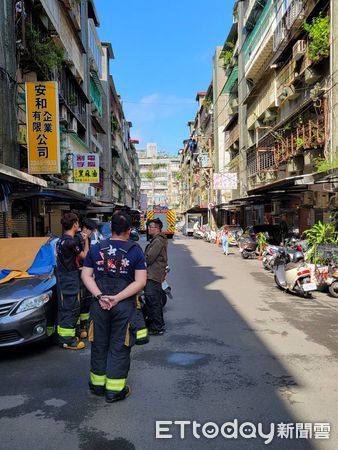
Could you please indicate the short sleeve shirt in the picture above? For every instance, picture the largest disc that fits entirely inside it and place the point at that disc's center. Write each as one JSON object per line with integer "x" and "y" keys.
{"x": 67, "y": 250}
{"x": 131, "y": 261}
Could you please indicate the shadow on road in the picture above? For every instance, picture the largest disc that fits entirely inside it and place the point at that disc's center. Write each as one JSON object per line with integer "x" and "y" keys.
{"x": 209, "y": 366}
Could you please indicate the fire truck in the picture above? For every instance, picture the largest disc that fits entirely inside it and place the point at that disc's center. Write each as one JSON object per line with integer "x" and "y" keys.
{"x": 167, "y": 217}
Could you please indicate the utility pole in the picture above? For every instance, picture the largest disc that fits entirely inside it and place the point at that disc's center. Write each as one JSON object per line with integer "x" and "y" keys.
{"x": 211, "y": 184}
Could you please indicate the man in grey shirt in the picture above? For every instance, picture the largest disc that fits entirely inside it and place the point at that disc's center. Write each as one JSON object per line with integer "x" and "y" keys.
{"x": 157, "y": 260}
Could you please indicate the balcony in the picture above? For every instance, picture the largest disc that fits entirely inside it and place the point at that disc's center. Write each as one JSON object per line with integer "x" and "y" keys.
{"x": 95, "y": 50}
{"x": 253, "y": 10}
{"x": 231, "y": 81}
{"x": 291, "y": 17}
{"x": 258, "y": 47}
{"x": 267, "y": 99}
{"x": 63, "y": 35}
{"x": 96, "y": 97}
{"x": 233, "y": 137}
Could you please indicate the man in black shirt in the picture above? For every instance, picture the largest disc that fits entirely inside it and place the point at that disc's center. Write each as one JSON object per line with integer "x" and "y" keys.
{"x": 88, "y": 228}
{"x": 69, "y": 254}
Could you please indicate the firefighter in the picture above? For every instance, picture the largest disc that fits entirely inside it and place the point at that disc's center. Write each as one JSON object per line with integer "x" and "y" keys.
{"x": 88, "y": 228}
{"x": 114, "y": 271}
{"x": 69, "y": 253}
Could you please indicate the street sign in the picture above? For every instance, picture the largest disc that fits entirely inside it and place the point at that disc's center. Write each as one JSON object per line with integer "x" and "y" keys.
{"x": 225, "y": 181}
{"x": 86, "y": 168}
{"x": 43, "y": 131}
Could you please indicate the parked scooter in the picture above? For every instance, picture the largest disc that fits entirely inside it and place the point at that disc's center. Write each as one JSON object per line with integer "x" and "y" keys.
{"x": 293, "y": 276}
{"x": 268, "y": 257}
{"x": 332, "y": 280}
{"x": 248, "y": 248}
{"x": 198, "y": 234}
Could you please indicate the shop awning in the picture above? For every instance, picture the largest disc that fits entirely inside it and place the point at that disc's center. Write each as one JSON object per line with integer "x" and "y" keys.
{"x": 13, "y": 175}
{"x": 296, "y": 183}
{"x": 55, "y": 195}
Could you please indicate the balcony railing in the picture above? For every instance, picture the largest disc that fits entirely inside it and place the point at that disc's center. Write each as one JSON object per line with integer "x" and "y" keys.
{"x": 231, "y": 81}
{"x": 291, "y": 16}
{"x": 262, "y": 30}
{"x": 95, "y": 49}
{"x": 232, "y": 137}
{"x": 258, "y": 161}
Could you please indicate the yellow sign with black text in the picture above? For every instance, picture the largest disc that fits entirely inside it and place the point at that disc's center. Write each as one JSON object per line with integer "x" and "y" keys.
{"x": 86, "y": 175}
{"x": 43, "y": 134}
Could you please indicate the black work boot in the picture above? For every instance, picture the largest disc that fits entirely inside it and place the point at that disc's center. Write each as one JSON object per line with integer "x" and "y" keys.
{"x": 97, "y": 390}
{"x": 112, "y": 396}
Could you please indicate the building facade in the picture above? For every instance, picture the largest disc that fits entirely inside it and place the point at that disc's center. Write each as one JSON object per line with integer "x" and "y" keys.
{"x": 159, "y": 176}
{"x": 273, "y": 118}
{"x": 58, "y": 40}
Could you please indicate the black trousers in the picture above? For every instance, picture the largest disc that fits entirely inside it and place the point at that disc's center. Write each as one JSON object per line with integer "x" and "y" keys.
{"x": 112, "y": 333}
{"x": 153, "y": 297}
{"x": 68, "y": 285}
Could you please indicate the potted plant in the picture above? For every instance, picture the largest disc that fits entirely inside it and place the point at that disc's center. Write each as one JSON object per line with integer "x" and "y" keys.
{"x": 320, "y": 233}
{"x": 261, "y": 243}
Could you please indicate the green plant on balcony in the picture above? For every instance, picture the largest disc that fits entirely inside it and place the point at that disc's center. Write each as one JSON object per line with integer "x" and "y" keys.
{"x": 227, "y": 53}
{"x": 207, "y": 102}
{"x": 319, "y": 37}
{"x": 324, "y": 165}
{"x": 150, "y": 175}
{"x": 43, "y": 51}
{"x": 299, "y": 143}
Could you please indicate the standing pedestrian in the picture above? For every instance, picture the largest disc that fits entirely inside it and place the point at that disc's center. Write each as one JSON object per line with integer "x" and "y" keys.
{"x": 225, "y": 239}
{"x": 157, "y": 261}
{"x": 114, "y": 271}
{"x": 88, "y": 229}
{"x": 69, "y": 253}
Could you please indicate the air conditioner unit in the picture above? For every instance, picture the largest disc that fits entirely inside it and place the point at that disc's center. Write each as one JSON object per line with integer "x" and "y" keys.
{"x": 63, "y": 117}
{"x": 72, "y": 127}
{"x": 299, "y": 50}
{"x": 322, "y": 199}
{"x": 90, "y": 191}
{"x": 308, "y": 198}
{"x": 234, "y": 104}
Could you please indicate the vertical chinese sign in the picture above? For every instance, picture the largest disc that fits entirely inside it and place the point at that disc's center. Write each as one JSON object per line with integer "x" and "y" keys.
{"x": 86, "y": 168}
{"x": 43, "y": 134}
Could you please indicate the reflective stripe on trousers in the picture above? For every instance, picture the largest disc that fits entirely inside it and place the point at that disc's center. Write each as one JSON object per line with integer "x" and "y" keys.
{"x": 112, "y": 384}
{"x": 66, "y": 332}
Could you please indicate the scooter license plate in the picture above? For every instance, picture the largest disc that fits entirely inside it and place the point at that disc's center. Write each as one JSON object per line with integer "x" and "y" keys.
{"x": 309, "y": 287}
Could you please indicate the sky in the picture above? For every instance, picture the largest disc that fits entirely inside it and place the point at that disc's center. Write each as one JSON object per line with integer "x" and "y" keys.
{"x": 163, "y": 57}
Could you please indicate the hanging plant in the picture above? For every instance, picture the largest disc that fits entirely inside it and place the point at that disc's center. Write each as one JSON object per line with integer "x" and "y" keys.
{"x": 227, "y": 53}
{"x": 319, "y": 37}
{"x": 43, "y": 50}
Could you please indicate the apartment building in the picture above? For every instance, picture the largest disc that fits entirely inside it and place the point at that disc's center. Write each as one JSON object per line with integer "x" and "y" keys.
{"x": 272, "y": 120}
{"x": 49, "y": 40}
{"x": 159, "y": 176}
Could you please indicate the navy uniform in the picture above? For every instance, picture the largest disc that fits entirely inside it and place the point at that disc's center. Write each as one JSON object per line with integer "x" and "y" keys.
{"x": 68, "y": 284}
{"x": 113, "y": 332}
{"x": 85, "y": 296}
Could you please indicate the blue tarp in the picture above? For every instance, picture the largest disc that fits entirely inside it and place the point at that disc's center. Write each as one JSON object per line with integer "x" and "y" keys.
{"x": 44, "y": 261}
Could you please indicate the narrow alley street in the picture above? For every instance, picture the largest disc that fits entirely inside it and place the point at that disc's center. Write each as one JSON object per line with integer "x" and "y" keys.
{"x": 235, "y": 348}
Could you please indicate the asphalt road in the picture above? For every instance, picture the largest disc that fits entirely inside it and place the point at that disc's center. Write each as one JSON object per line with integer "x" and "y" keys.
{"x": 236, "y": 349}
